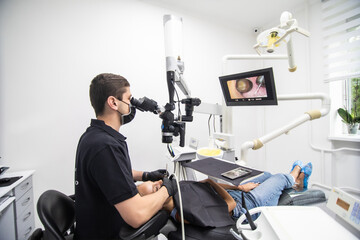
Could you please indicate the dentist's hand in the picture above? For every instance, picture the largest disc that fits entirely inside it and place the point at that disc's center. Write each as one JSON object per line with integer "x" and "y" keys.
{"x": 171, "y": 186}
{"x": 155, "y": 175}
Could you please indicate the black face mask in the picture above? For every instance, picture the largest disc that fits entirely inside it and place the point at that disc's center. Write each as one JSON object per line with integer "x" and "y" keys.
{"x": 126, "y": 118}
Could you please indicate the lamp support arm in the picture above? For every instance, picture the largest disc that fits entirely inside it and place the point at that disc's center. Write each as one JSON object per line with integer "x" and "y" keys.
{"x": 310, "y": 115}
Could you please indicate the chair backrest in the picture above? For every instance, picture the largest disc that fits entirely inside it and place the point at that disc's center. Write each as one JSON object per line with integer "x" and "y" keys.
{"x": 57, "y": 213}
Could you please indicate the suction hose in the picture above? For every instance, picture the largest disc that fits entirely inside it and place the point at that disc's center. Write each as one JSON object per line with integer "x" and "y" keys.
{"x": 181, "y": 206}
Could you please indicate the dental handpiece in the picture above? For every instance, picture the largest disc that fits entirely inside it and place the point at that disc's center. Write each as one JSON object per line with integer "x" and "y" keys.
{"x": 260, "y": 81}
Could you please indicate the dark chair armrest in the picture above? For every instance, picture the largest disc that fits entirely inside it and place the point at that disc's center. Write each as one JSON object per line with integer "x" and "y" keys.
{"x": 72, "y": 196}
{"x": 36, "y": 235}
{"x": 150, "y": 228}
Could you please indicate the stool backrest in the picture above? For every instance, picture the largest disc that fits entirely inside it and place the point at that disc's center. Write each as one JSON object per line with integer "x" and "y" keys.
{"x": 57, "y": 213}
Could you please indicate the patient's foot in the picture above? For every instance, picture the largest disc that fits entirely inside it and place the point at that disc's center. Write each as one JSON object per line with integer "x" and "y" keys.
{"x": 299, "y": 182}
{"x": 297, "y": 163}
{"x": 307, "y": 170}
{"x": 295, "y": 171}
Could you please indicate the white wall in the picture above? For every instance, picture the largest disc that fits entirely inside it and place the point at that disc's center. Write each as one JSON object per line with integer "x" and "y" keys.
{"x": 340, "y": 167}
{"x": 50, "y": 51}
{"x": 309, "y": 142}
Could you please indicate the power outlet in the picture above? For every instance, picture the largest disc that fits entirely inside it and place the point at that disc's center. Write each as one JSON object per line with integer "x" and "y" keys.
{"x": 193, "y": 143}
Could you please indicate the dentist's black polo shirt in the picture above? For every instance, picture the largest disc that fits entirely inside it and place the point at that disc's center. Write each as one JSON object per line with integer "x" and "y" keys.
{"x": 103, "y": 178}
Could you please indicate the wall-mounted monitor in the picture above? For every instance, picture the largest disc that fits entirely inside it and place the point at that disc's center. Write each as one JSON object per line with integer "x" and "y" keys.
{"x": 249, "y": 88}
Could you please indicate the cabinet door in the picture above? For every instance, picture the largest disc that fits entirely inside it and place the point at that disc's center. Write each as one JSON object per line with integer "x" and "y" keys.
{"x": 7, "y": 222}
{"x": 23, "y": 187}
{"x": 25, "y": 223}
{"x": 24, "y": 202}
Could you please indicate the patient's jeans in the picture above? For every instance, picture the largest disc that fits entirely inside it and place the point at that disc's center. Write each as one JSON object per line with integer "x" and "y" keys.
{"x": 266, "y": 194}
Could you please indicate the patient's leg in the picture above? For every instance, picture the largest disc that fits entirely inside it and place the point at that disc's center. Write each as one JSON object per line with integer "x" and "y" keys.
{"x": 298, "y": 177}
{"x": 268, "y": 192}
{"x": 296, "y": 172}
{"x": 299, "y": 182}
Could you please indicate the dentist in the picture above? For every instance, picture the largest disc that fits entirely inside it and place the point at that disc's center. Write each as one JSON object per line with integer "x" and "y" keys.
{"x": 105, "y": 192}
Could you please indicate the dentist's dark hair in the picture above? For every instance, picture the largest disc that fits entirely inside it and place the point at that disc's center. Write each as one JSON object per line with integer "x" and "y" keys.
{"x": 103, "y": 86}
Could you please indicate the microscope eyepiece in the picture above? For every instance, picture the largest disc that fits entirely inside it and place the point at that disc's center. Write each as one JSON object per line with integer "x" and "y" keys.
{"x": 145, "y": 104}
{"x": 135, "y": 102}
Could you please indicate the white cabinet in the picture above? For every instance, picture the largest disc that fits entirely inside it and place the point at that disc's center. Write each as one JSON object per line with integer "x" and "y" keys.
{"x": 7, "y": 223}
{"x": 22, "y": 216}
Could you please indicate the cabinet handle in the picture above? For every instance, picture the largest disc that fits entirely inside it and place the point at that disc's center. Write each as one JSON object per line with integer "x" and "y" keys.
{"x": 25, "y": 186}
{"x": 27, "y": 216}
{"x": 28, "y": 231}
{"x": 25, "y": 202}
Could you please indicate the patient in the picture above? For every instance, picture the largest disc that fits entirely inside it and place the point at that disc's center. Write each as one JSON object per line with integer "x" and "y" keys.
{"x": 264, "y": 190}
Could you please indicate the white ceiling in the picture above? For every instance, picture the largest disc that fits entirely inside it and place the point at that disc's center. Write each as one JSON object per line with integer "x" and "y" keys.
{"x": 245, "y": 14}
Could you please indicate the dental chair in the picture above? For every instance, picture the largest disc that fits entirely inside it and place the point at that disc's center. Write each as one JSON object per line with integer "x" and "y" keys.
{"x": 162, "y": 223}
{"x": 289, "y": 197}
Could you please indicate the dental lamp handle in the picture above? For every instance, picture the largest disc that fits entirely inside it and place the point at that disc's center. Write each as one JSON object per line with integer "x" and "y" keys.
{"x": 292, "y": 65}
{"x": 291, "y": 30}
{"x": 302, "y": 31}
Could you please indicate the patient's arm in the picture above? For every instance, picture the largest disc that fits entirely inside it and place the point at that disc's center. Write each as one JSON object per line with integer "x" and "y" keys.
{"x": 224, "y": 194}
{"x": 247, "y": 187}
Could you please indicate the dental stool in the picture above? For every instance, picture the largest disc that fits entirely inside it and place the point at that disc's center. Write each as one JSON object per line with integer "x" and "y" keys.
{"x": 57, "y": 213}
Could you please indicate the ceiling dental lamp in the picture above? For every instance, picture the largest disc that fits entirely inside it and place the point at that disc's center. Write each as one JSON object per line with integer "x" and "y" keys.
{"x": 273, "y": 37}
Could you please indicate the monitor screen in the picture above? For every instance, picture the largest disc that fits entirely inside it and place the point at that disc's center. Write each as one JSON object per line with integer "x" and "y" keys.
{"x": 249, "y": 88}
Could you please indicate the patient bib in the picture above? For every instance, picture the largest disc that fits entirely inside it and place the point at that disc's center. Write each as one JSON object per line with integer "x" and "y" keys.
{"x": 202, "y": 205}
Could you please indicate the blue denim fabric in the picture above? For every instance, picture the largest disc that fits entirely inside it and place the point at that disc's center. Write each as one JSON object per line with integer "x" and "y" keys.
{"x": 266, "y": 194}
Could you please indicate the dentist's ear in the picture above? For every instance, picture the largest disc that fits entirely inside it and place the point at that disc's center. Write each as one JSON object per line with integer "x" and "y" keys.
{"x": 111, "y": 101}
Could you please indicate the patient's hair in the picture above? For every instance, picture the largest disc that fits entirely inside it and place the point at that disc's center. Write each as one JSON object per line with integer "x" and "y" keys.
{"x": 103, "y": 86}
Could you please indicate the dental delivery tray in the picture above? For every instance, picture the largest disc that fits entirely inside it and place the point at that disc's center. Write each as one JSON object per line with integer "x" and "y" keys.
{"x": 216, "y": 167}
